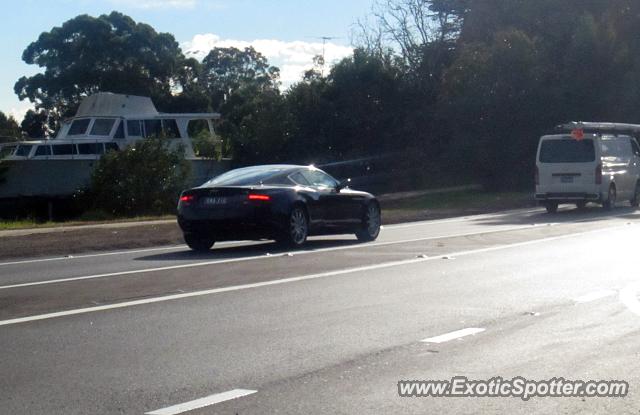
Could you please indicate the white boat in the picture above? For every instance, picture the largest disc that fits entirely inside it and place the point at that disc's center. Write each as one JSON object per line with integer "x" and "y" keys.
{"x": 104, "y": 122}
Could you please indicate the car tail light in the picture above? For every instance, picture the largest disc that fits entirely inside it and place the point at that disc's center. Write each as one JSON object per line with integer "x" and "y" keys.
{"x": 537, "y": 176}
{"x": 264, "y": 198}
{"x": 599, "y": 174}
{"x": 187, "y": 199}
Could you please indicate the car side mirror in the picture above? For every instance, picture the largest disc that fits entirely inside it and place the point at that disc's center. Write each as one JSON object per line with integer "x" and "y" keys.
{"x": 343, "y": 184}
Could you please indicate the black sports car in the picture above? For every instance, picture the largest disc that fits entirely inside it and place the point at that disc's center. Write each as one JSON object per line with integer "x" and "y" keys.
{"x": 282, "y": 202}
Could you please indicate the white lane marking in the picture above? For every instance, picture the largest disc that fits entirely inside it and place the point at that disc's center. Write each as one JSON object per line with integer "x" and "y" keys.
{"x": 288, "y": 280}
{"x": 253, "y": 258}
{"x": 629, "y": 297}
{"x": 594, "y": 296}
{"x": 202, "y": 402}
{"x": 132, "y": 251}
{"x": 453, "y": 335}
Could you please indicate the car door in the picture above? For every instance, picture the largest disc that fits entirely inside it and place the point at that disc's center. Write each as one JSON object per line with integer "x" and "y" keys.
{"x": 330, "y": 199}
{"x": 344, "y": 206}
{"x": 316, "y": 205}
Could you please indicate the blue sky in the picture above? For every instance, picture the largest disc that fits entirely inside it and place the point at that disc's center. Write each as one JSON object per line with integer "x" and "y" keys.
{"x": 287, "y": 31}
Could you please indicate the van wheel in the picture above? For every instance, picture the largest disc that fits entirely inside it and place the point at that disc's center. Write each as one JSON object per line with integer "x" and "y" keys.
{"x": 552, "y": 207}
{"x": 581, "y": 205}
{"x": 610, "y": 203}
{"x": 635, "y": 202}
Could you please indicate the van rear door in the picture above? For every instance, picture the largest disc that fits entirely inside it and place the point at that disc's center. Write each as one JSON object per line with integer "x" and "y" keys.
{"x": 567, "y": 165}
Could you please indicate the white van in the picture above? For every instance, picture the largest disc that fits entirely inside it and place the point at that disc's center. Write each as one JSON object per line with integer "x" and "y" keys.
{"x": 578, "y": 168}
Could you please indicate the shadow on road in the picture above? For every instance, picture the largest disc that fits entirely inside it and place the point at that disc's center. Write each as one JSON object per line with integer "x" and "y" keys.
{"x": 566, "y": 214}
{"x": 255, "y": 249}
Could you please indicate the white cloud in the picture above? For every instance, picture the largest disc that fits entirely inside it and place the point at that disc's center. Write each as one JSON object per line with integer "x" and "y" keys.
{"x": 19, "y": 111}
{"x": 293, "y": 58}
{"x": 157, "y": 4}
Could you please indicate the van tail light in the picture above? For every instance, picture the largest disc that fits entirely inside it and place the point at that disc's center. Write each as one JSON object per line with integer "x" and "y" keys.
{"x": 537, "y": 176}
{"x": 599, "y": 174}
{"x": 187, "y": 199}
{"x": 263, "y": 198}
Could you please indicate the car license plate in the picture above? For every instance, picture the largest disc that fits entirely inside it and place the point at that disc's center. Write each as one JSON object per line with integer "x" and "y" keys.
{"x": 211, "y": 201}
{"x": 566, "y": 179}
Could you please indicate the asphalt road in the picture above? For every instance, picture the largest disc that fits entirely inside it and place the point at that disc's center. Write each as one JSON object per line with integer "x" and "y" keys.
{"x": 250, "y": 329}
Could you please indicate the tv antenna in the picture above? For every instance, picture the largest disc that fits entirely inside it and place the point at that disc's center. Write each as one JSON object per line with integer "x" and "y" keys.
{"x": 324, "y": 43}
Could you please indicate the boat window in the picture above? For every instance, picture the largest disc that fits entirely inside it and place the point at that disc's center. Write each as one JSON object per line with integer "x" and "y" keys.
{"x": 44, "y": 150}
{"x": 111, "y": 147}
{"x": 90, "y": 148}
{"x": 170, "y": 128}
{"x": 133, "y": 128}
{"x": 198, "y": 129}
{"x": 63, "y": 149}
{"x": 120, "y": 131}
{"x": 152, "y": 128}
{"x": 6, "y": 151}
{"x": 102, "y": 126}
{"x": 79, "y": 127}
{"x": 23, "y": 150}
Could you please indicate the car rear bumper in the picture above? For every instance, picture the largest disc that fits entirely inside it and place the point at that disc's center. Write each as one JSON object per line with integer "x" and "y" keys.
{"x": 567, "y": 197}
{"x": 235, "y": 229}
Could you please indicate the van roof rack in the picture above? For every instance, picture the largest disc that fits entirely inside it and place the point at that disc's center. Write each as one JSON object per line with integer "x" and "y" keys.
{"x": 601, "y": 127}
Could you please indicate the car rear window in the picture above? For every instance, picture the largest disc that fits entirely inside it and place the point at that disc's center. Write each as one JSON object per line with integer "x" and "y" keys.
{"x": 244, "y": 177}
{"x": 567, "y": 151}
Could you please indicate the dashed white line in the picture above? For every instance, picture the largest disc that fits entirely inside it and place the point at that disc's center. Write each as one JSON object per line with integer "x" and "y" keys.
{"x": 594, "y": 296}
{"x": 289, "y": 280}
{"x": 202, "y": 402}
{"x": 458, "y": 334}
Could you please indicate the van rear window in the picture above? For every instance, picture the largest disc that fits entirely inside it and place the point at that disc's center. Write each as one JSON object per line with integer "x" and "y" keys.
{"x": 567, "y": 151}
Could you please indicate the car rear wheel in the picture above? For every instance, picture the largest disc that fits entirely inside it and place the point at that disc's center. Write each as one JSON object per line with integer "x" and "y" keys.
{"x": 635, "y": 202}
{"x": 297, "y": 228}
{"x": 370, "y": 224}
{"x": 200, "y": 243}
{"x": 552, "y": 207}
{"x": 610, "y": 203}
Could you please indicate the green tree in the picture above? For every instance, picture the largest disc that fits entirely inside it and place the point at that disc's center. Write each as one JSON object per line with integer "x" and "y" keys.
{"x": 225, "y": 70}
{"x": 145, "y": 178}
{"x": 9, "y": 127}
{"x": 108, "y": 53}
{"x": 35, "y": 124}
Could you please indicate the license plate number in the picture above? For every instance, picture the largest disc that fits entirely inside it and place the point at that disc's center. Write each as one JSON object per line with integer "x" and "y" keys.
{"x": 210, "y": 201}
{"x": 566, "y": 179}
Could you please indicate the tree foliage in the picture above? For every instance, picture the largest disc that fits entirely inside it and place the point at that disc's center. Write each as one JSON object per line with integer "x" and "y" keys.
{"x": 9, "y": 128}
{"x": 143, "y": 179}
{"x": 106, "y": 53}
{"x": 35, "y": 124}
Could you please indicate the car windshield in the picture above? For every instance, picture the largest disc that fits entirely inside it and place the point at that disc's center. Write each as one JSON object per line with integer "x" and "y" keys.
{"x": 245, "y": 176}
{"x": 567, "y": 151}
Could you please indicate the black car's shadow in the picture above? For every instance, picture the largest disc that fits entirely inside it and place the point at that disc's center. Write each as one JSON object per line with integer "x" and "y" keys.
{"x": 259, "y": 248}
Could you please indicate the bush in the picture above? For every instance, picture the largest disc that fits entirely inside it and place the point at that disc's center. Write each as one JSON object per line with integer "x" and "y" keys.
{"x": 145, "y": 178}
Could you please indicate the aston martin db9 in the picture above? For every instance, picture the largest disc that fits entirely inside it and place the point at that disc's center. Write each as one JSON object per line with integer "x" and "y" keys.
{"x": 286, "y": 203}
